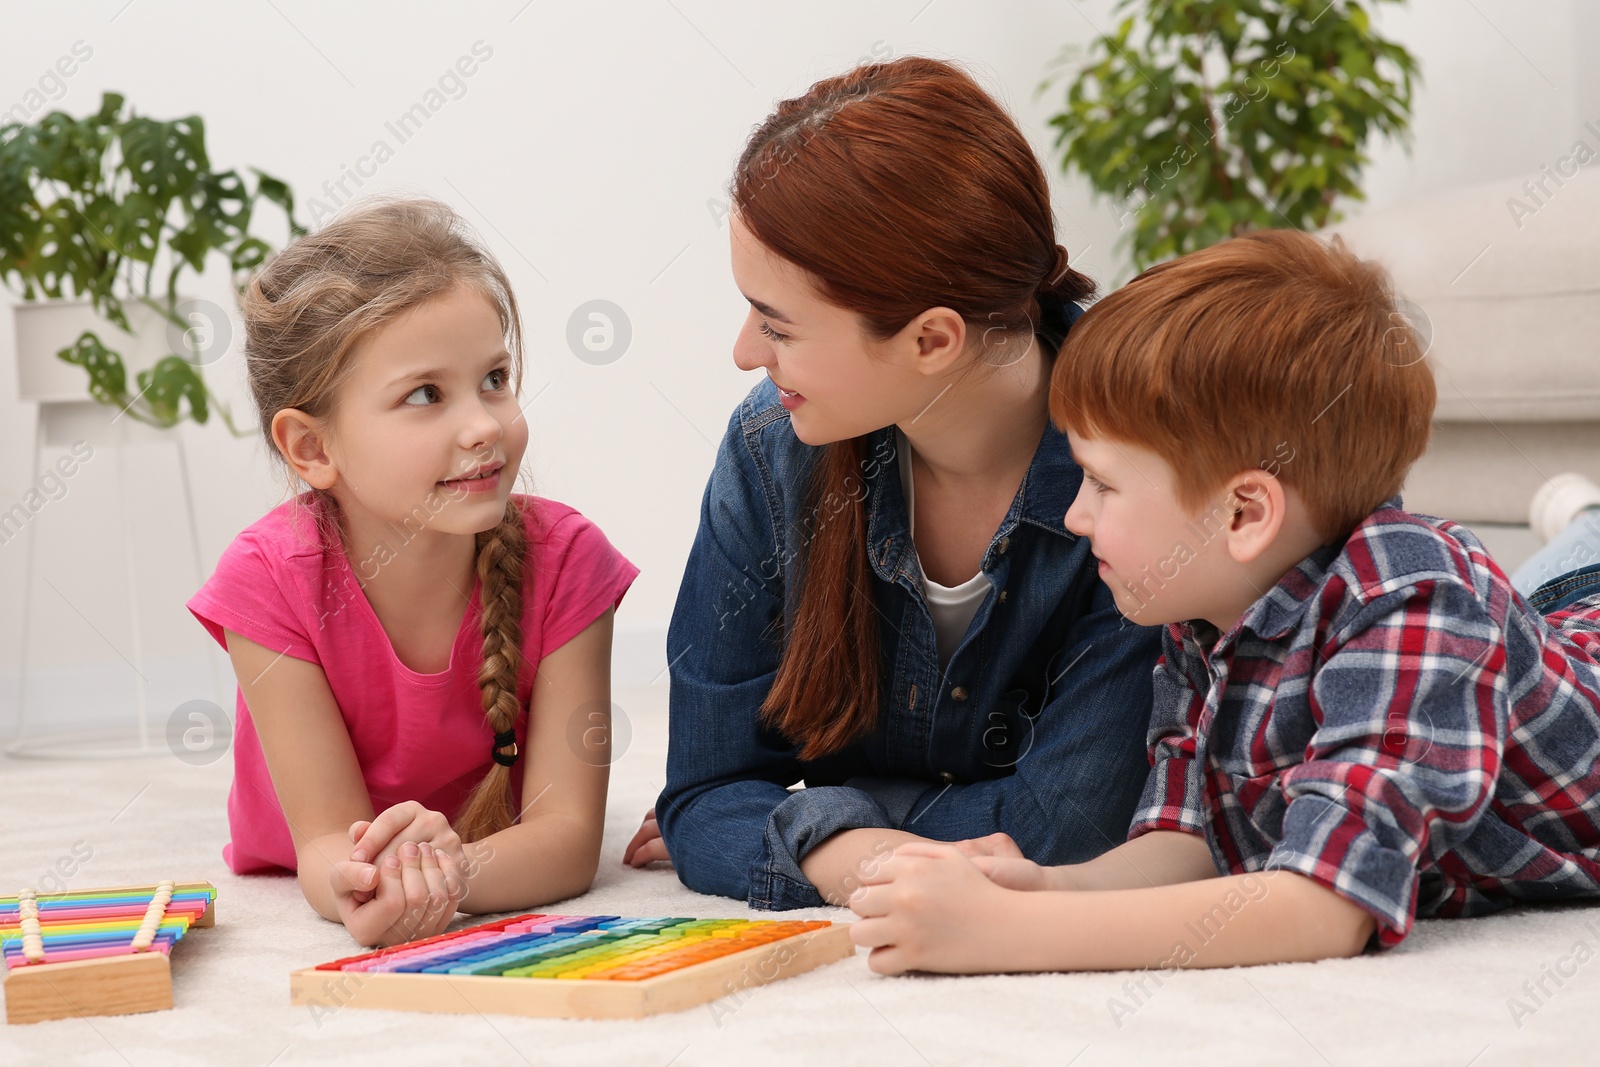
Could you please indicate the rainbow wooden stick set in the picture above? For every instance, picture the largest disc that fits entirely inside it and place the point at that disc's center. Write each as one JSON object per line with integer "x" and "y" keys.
{"x": 575, "y": 966}
{"x": 105, "y": 952}
{"x": 98, "y": 952}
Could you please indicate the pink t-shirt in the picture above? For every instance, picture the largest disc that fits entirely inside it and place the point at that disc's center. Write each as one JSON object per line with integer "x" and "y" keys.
{"x": 417, "y": 736}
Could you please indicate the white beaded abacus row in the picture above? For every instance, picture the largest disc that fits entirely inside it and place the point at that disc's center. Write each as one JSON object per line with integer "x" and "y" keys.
{"x": 153, "y": 916}
{"x": 28, "y": 916}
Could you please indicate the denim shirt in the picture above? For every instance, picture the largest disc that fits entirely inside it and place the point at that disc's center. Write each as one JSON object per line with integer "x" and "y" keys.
{"x": 1036, "y": 727}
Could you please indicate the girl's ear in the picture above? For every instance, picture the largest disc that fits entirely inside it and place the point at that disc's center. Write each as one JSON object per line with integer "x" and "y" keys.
{"x": 299, "y": 439}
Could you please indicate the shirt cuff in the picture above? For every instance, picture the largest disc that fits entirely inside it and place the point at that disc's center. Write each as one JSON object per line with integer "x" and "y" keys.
{"x": 896, "y": 796}
{"x": 1336, "y": 848}
{"x": 805, "y": 819}
{"x": 1171, "y": 800}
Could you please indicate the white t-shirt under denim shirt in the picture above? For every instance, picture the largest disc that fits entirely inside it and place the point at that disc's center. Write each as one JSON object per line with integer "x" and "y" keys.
{"x": 952, "y": 607}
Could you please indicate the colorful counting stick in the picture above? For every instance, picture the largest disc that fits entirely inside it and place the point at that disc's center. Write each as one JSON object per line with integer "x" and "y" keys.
{"x": 577, "y": 966}
{"x": 96, "y": 952}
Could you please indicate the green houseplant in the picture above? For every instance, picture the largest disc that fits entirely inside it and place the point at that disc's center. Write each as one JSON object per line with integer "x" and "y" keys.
{"x": 1201, "y": 119}
{"x": 93, "y": 207}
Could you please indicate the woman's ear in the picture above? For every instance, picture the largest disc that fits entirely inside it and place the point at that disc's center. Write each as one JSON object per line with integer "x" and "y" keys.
{"x": 939, "y": 336}
{"x": 301, "y": 440}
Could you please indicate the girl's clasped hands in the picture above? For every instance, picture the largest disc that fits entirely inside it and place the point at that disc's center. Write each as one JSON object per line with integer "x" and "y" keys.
{"x": 406, "y": 874}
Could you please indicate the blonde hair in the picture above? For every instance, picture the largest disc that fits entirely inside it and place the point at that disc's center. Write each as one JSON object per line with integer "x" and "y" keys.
{"x": 305, "y": 310}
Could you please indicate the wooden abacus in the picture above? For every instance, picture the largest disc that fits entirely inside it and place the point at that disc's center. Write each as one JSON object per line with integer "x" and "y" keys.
{"x": 574, "y": 966}
{"x": 97, "y": 952}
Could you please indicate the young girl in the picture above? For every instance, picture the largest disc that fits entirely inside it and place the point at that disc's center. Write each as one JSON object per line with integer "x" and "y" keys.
{"x": 423, "y": 655}
{"x": 882, "y": 601}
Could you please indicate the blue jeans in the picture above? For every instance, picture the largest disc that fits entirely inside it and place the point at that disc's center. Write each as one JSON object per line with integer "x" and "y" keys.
{"x": 1567, "y": 569}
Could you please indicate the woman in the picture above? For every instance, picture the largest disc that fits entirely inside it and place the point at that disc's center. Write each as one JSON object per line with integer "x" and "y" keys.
{"x": 882, "y": 600}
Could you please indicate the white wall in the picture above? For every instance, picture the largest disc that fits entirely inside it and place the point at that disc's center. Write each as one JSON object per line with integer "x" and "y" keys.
{"x": 587, "y": 149}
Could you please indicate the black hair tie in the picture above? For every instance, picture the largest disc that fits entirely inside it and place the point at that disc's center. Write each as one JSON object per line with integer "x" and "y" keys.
{"x": 504, "y": 739}
{"x": 1055, "y": 319}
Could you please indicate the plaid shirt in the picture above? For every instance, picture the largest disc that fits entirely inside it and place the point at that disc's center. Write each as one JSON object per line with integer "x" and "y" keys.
{"x": 1393, "y": 721}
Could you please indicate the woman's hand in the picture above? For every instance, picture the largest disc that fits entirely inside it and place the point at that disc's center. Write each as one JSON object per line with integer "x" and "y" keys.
{"x": 996, "y": 844}
{"x": 415, "y": 897}
{"x": 1013, "y": 873}
{"x": 999, "y": 858}
{"x": 646, "y": 846}
{"x": 929, "y": 908}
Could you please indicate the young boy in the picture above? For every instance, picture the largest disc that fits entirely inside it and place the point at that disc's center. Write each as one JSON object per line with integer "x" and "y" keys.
{"x": 1357, "y": 720}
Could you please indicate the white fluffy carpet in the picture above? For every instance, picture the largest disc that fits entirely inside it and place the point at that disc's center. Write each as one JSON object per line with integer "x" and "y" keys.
{"x": 1445, "y": 997}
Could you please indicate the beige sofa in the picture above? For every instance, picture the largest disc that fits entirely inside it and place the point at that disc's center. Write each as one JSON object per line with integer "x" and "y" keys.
{"x": 1507, "y": 278}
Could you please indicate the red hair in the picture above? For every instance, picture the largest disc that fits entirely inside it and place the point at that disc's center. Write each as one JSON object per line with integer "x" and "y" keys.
{"x": 1269, "y": 345}
{"x": 898, "y": 187}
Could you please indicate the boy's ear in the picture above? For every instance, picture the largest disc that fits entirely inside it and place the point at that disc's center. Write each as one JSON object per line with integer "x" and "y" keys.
{"x": 300, "y": 440}
{"x": 1259, "y": 505}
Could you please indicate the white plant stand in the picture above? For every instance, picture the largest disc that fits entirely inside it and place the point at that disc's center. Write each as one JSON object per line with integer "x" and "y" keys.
{"x": 66, "y": 416}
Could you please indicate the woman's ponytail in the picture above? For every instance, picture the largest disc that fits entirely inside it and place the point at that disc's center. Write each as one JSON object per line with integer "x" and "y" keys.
{"x": 1060, "y": 286}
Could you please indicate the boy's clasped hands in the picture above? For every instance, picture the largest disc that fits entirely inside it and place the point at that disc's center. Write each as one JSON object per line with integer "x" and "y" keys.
{"x": 406, "y": 873}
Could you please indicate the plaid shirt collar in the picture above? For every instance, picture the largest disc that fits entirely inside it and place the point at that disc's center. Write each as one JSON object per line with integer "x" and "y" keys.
{"x": 1280, "y": 609}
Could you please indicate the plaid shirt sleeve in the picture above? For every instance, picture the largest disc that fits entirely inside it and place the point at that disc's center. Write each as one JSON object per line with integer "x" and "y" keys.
{"x": 1411, "y": 700}
{"x": 1172, "y": 797}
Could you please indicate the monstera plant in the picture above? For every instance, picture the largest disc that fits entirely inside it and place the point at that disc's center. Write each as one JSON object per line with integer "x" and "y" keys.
{"x": 96, "y": 207}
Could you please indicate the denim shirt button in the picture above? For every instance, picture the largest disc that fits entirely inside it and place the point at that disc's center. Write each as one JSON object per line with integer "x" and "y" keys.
{"x": 958, "y": 693}
{"x": 1003, "y": 594}
{"x": 946, "y": 777}
{"x": 1005, "y": 543}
